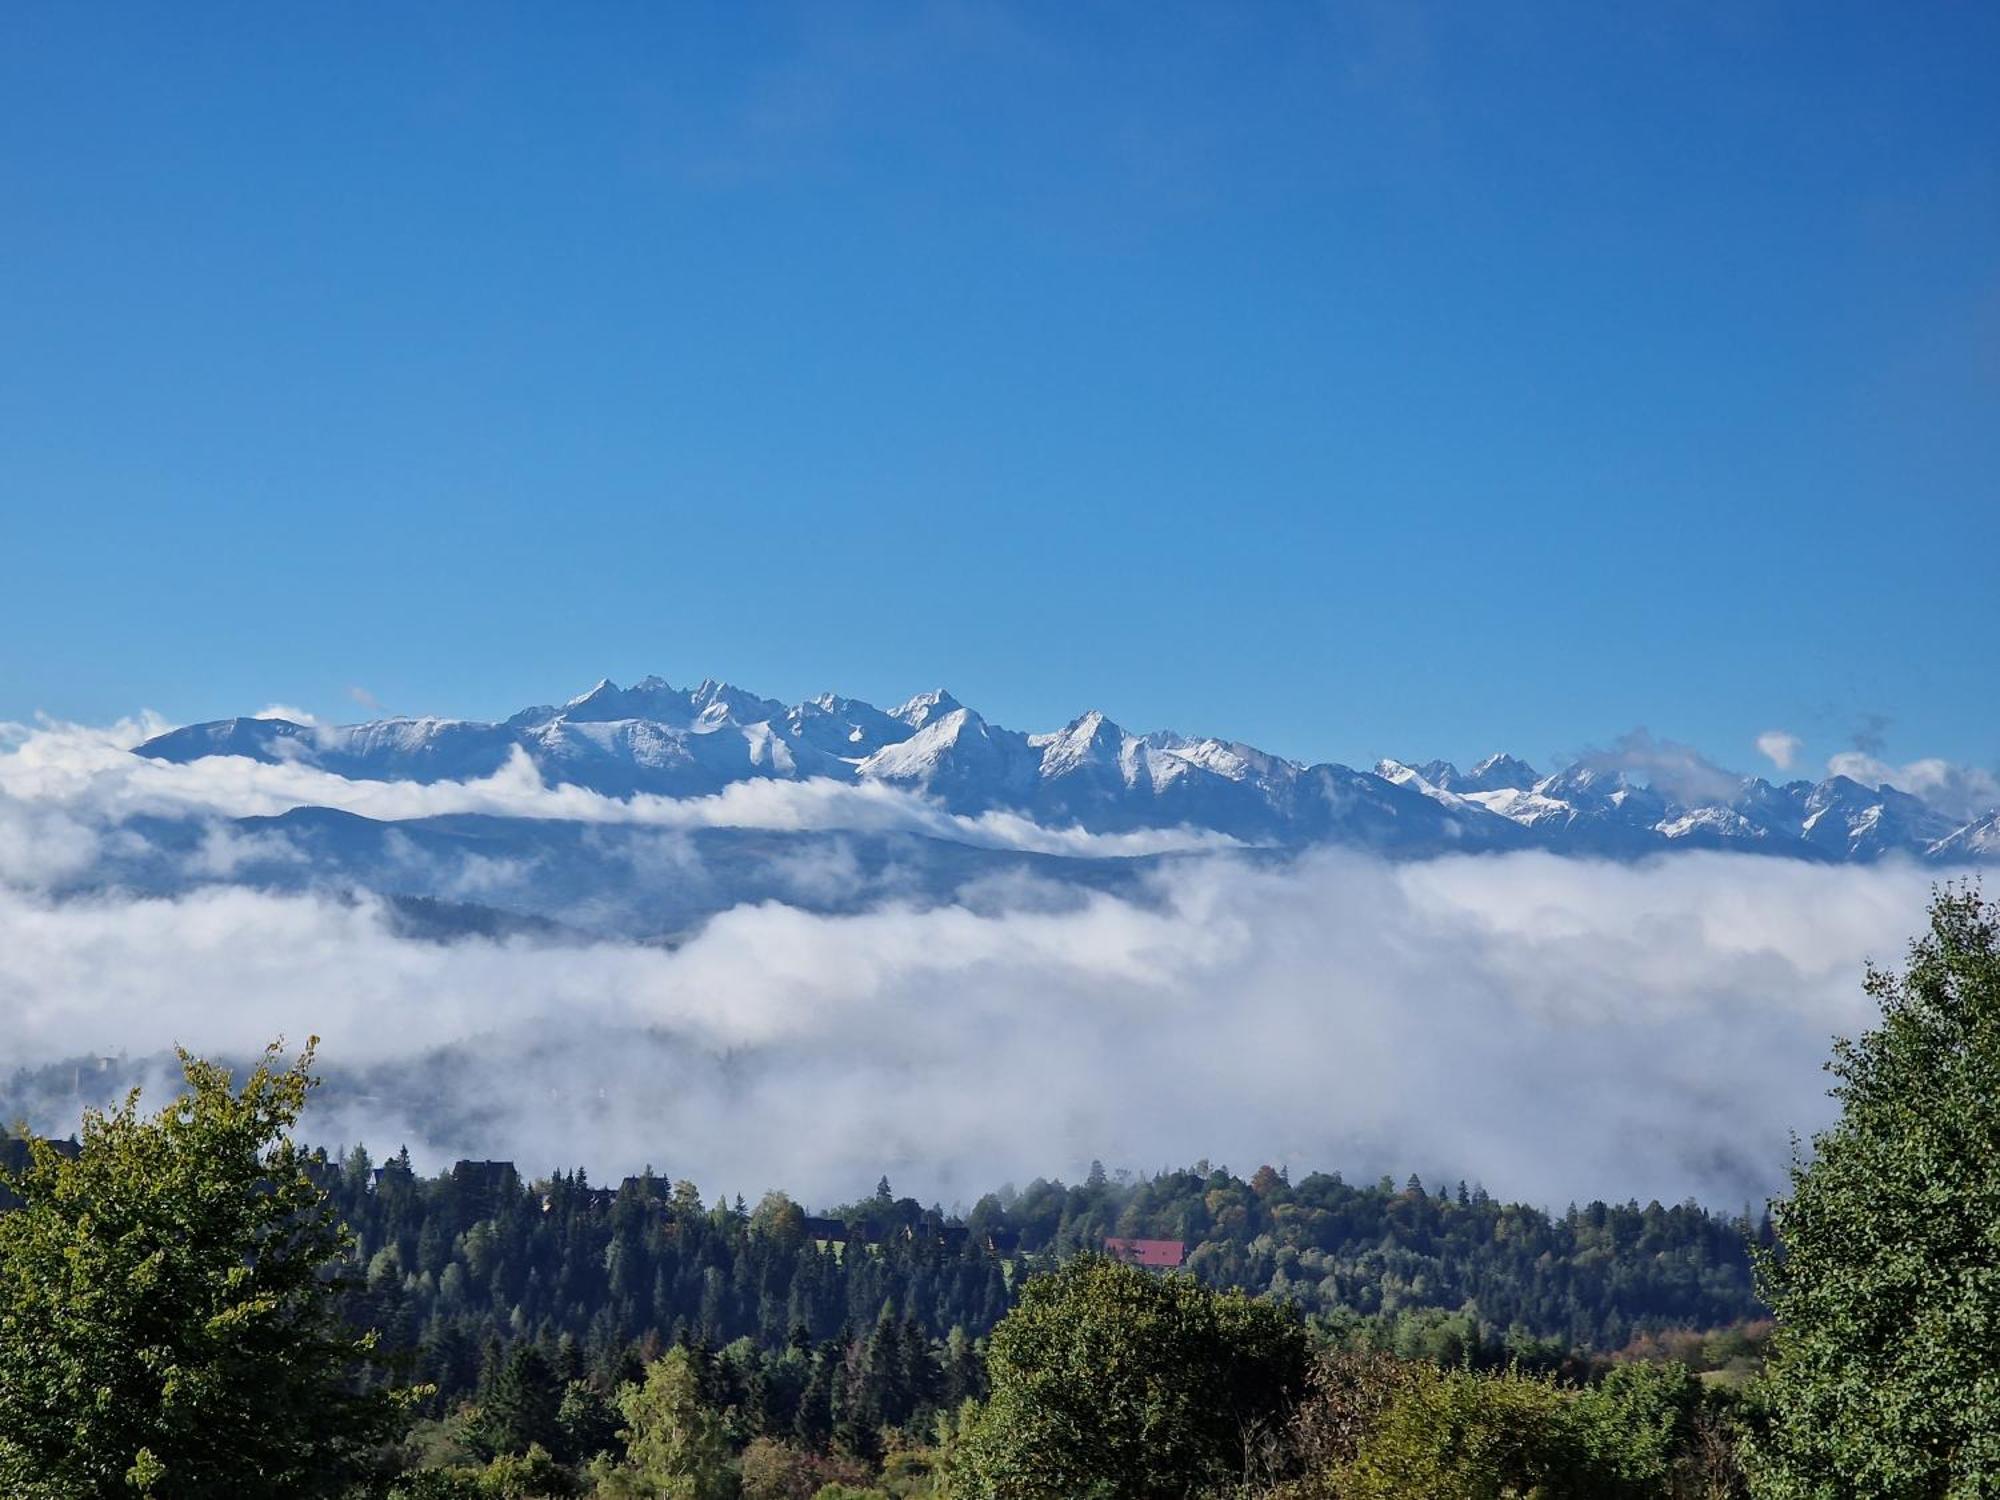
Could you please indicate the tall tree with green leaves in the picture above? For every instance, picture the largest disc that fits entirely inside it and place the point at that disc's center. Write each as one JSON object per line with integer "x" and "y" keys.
{"x": 1112, "y": 1383}
{"x": 167, "y": 1320}
{"x": 1886, "y": 1380}
{"x": 676, "y": 1446}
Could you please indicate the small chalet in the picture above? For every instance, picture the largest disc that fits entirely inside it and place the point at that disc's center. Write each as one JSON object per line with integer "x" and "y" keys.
{"x": 1154, "y": 1255}
{"x": 832, "y": 1231}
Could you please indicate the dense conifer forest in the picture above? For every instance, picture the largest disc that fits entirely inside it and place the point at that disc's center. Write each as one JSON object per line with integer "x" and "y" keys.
{"x": 451, "y": 1263}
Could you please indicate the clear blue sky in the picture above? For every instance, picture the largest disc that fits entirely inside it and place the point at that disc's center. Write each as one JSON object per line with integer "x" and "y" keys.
{"x": 1356, "y": 380}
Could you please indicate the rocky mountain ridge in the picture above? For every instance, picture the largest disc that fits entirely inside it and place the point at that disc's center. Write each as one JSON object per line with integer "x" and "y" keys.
{"x": 653, "y": 738}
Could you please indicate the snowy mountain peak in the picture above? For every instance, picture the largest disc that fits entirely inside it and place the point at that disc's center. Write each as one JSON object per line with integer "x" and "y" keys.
{"x": 1090, "y": 728}
{"x": 922, "y": 709}
{"x": 1089, "y": 740}
{"x": 1501, "y": 772}
{"x": 1396, "y": 772}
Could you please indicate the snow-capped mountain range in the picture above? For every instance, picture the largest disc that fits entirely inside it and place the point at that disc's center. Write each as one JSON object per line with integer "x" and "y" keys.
{"x": 1093, "y": 774}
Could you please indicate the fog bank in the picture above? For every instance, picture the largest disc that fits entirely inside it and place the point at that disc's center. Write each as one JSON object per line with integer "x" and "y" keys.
{"x": 1555, "y": 1028}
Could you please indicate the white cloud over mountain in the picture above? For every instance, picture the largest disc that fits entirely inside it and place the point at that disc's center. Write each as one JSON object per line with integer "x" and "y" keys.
{"x": 1956, "y": 790}
{"x": 1556, "y": 1026}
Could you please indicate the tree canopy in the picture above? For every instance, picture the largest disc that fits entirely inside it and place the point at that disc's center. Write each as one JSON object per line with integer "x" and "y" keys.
{"x": 167, "y": 1323}
{"x": 1886, "y": 1380}
{"x": 1112, "y": 1382}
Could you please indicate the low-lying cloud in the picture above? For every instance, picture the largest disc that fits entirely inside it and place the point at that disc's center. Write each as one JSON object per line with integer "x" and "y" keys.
{"x": 1555, "y": 1028}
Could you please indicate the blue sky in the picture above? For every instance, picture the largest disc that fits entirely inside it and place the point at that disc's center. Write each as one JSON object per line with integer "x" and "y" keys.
{"x": 1356, "y": 381}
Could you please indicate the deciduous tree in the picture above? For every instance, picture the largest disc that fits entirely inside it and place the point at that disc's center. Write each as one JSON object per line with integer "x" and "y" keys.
{"x": 166, "y": 1307}
{"x": 1111, "y": 1382}
{"x": 1886, "y": 1377}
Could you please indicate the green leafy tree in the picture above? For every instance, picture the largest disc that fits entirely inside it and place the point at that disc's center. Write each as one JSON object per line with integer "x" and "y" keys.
{"x": 676, "y": 1446}
{"x": 1460, "y": 1435}
{"x": 166, "y": 1312}
{"x": 532, "y": 1475}
{"x": 438, "y": 1484}
{"x": 1111, "y": 1382}
{"x": 1886, "y": 1375}
{"x": 1637, "y": 1429}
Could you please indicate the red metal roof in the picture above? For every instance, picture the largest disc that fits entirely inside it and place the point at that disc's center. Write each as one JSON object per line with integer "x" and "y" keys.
{"x": 1158, "y": 1254}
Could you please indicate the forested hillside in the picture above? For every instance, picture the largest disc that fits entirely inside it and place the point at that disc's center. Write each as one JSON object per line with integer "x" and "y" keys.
{"x": 454, "y": 1262}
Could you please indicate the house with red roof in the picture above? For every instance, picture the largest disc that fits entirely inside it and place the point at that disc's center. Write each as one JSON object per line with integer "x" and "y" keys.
{"x": 1154, "y": 1255}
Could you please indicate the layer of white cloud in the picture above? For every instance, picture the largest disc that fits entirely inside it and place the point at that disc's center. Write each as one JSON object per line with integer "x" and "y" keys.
{"x": 1556, "y": 1028}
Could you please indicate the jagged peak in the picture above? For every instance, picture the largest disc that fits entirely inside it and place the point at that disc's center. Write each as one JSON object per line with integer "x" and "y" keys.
{"x": 1499, "y": 772}
{"x": 1089, "y": 725}
{"x": 926, "y": 707}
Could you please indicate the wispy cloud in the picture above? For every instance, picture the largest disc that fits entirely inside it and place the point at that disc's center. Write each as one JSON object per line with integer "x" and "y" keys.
{"x": 1780, "y": 748}
{"x": 1679, "y": 770}
{"x": 1964, "y": 792}
{"x": 1871, "y": 734}
{"x": 287, "y": 711}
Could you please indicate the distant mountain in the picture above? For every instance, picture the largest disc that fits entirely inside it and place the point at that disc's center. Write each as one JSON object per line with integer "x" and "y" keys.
{"x": 1093, "y": 774}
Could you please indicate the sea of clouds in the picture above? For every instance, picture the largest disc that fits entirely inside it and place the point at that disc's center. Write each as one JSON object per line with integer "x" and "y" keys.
{"x": 1554, "y": 1028}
